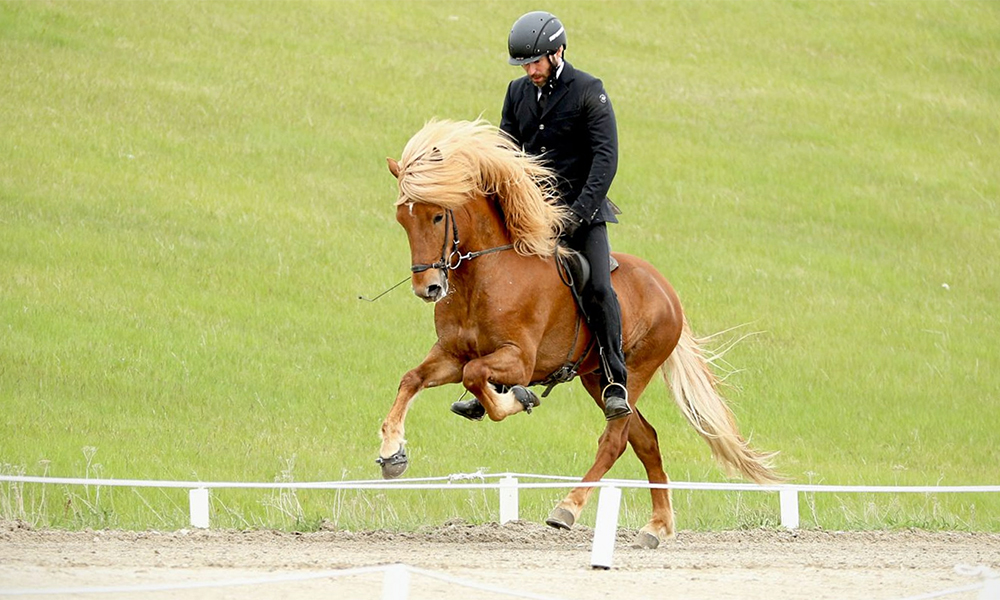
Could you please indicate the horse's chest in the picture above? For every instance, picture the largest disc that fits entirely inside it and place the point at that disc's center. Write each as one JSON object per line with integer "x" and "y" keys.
{"x": 466, "y": 340}
{"x": 469, "y": 337}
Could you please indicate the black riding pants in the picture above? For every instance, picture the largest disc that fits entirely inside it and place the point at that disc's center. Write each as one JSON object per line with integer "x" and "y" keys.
{"x": 600, "y": 303}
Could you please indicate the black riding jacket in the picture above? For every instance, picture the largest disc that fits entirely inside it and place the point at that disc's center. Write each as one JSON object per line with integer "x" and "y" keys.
{"x": 576, "y": 134}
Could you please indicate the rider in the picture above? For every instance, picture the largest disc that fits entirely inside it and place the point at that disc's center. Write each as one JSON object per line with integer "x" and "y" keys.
{"x": 565, "y": 116}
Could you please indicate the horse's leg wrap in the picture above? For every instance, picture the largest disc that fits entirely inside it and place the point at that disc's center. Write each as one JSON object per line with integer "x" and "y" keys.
{"x": 526, "y": 397}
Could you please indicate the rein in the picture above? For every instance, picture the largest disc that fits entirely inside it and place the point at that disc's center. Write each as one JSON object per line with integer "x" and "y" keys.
{"x": 452, "y": 258}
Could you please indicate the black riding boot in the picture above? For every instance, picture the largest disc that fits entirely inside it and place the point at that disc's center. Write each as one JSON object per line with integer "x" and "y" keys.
{"x": 600, "y": 306}
{"x": 614, "y": 375}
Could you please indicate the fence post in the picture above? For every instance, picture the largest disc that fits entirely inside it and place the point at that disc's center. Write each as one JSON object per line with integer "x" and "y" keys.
{"x": 198, "y": 499}
{"x": 396, "y": 583}
{"x": 508, "y": 500}
{"x": 606, "y": 528}
{"x": 789, "y": 498}
{"x": 991, "y": 586}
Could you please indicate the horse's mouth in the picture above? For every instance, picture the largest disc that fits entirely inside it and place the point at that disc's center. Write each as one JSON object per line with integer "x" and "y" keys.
{"x": 432, "y": 293}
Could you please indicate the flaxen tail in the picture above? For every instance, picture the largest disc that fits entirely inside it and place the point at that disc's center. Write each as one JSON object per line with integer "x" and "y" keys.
{"x": 695, "y": 389}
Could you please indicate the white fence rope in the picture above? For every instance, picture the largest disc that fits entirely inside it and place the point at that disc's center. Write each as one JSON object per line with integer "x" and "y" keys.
{"x": 454, "y": 482}
{"x": 396, "y": 585}
{"x": 508, "y": 484}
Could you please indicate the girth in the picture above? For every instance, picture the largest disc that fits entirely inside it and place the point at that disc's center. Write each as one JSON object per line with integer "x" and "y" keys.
{"x": 570, "y": 369}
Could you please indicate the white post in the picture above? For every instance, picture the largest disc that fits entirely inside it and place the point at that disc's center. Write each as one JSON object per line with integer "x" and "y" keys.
{"x": 606, "y": 527}
{"x": 396, "y": 583}
{"x": 508, "y": 500}
{"x": 198, "y": 498}
{"x": 991, "y": 586}
{"x": 789, "y": 498}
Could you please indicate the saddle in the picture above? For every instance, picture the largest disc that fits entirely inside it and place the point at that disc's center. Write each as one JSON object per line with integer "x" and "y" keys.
{"x": 574, "y": 271}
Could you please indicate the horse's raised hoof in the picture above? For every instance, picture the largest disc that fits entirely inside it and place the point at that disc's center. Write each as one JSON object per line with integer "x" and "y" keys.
{"x": 616, "y": 407}
{"x": 560, "y": 518}
{"x": 470, "y": 409}
{"x": 395, "y": 465}
{"x": 526, "y": 397}
{"x": 647, "y": 540}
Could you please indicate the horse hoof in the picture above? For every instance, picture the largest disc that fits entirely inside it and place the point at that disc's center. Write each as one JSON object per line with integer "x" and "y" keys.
{"x": 560, "y": 518}
{"x": 647, "y": 540}
{"x": 395, "y": 465}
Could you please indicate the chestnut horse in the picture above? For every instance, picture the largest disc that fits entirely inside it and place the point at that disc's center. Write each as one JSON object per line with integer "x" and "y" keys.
{"x": 483, "y": 227}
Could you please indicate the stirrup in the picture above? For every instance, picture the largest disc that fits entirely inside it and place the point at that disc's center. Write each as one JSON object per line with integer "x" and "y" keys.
{"x": 615, "y": 407}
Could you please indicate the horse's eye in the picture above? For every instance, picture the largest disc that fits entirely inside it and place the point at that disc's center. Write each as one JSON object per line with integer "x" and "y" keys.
{"x": 438, "y": 218}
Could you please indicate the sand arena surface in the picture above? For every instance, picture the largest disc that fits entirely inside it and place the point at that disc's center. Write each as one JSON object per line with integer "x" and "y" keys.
{"x": 523, "y": 557}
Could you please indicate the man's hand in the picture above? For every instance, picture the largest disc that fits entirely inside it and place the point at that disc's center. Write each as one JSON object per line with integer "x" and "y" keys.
{"x": 571, "y": 224}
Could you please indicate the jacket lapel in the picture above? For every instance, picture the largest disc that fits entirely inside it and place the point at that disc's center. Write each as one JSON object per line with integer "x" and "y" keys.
{"x": 561, "y": 89}
{"x": 536, "y": 108}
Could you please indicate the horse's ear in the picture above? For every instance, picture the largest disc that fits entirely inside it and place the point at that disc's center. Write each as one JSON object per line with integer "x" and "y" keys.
{"x": 393, "y": 166}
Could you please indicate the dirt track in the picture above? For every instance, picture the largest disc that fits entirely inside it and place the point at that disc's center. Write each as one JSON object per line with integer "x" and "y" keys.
{"x": 523, "y": 557}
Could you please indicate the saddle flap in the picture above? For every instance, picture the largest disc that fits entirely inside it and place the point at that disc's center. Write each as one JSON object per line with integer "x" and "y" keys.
{"x": 577, "y": 270}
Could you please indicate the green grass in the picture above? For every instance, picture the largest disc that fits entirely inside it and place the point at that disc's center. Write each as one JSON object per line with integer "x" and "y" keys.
{"x": 193, "y": 195}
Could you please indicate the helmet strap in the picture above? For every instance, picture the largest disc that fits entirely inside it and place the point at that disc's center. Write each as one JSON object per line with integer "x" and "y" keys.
{"x": 554, "y": 63}
{"x": 560, "y": 58}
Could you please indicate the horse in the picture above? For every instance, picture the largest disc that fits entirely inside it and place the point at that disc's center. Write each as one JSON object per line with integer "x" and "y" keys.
{"x": 483, "y": 223}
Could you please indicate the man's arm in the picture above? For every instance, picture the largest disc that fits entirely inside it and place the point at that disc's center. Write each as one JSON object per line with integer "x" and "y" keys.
{"x": 602, "y": 132}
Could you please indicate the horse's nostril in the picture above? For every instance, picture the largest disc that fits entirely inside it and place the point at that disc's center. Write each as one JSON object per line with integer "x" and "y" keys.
{"x": 433, "y": 291}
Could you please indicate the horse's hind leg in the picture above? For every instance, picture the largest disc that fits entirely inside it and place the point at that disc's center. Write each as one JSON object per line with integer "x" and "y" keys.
{"x": 641, "y": 435}
{"x": 610, "y": 446}
{"x": 643, "y": 439}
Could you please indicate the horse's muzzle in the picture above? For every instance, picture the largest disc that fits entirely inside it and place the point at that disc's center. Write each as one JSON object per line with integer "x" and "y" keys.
{"x": 433, "y": 289}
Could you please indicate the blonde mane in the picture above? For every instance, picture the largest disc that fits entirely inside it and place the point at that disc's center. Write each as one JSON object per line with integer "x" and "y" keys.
{"x": 448, "y": 163}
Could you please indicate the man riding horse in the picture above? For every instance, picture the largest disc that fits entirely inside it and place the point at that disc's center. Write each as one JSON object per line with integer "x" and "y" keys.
{"x": 565, "y": 116}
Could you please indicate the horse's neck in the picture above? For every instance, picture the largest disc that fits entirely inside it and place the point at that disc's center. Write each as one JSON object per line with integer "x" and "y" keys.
{"x": 482, "y": 227}
{"x": 485, "y": 225}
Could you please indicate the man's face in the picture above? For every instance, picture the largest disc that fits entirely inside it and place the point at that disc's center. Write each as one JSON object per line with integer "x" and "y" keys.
{"x": 543, "y": 68}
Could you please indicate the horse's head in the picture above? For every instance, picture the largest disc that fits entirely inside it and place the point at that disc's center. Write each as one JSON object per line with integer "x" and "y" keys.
{"x": 450, "y": 165}
{"x": 429, "y": 231}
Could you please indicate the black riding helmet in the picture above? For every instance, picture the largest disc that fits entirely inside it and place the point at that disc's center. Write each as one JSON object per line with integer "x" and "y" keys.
{"x": 533, "y": 36}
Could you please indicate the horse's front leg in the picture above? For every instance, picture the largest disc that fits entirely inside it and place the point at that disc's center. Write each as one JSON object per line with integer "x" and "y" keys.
{"x": 438, "y": 368}
{"x": 510, "y": 366}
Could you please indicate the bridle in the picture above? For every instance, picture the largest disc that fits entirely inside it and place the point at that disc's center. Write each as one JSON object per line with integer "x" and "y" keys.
{"x": 451, "y": 257}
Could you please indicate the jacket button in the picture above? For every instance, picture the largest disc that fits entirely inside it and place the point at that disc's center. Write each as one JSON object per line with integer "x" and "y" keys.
{"x": 544, "y": 148}
{"x": 541, "y": 127}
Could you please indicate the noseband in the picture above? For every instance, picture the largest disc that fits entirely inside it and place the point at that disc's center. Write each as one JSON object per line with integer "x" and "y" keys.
{"x": 451, "y": 257}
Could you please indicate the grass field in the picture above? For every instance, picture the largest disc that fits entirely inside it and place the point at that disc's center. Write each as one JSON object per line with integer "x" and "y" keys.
{"x": 194, "y": 194}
